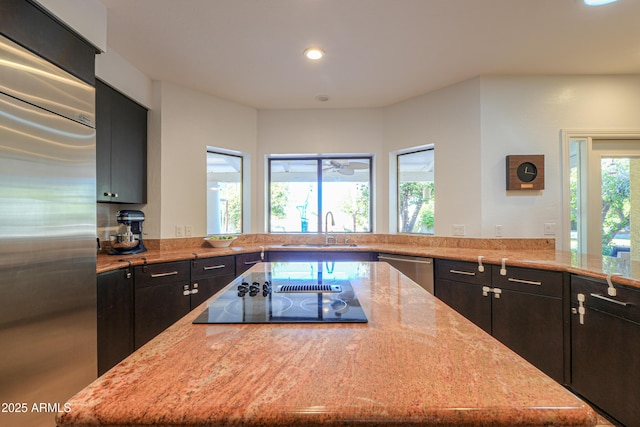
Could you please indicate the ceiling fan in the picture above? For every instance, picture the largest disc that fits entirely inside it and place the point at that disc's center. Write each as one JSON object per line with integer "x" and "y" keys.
{"x": 345, "y": 167}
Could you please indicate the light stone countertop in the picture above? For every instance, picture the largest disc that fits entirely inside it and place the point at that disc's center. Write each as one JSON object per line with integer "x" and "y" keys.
{"x": 532, "y": 253}
{"x": 417, "y": 362}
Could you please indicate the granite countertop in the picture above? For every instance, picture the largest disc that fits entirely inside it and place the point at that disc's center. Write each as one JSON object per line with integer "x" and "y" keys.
{"x": 517, "y": 252}
{"x": 417, "y": 362}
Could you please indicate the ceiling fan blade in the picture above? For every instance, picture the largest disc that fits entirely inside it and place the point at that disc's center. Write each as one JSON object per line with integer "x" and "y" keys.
{"x": 357, "y": 165}
{"x": 345, "y": 171}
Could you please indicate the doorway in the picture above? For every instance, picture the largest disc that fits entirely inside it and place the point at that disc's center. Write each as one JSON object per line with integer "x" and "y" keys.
{"x": 603, "y": 187}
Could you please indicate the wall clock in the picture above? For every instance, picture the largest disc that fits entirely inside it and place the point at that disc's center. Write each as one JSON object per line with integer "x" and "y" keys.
{"x": 525, "y": 172}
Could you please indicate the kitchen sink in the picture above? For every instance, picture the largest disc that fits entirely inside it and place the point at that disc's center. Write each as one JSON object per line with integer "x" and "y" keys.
{"x": 320, "y": 245}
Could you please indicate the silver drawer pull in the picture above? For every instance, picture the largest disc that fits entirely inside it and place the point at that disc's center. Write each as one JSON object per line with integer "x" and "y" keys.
{"x": 251, "y": 262}
{"x": 465, "y": 273}
{"x": 624, "y": 304}
{"x": 214, "y": 267}
{"x": 171, "y": 273}
{"x": 525, "y": 282}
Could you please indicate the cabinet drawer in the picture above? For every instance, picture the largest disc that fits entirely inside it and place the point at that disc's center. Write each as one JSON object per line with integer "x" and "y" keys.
{"x": 625, "y": 304}
{"x": 217, "y": 266}
{"x": 159, "y": 274}
{"x": 246, "y": 261}
{"x": 540, "y": 282}
{"x": 462, "y": 271}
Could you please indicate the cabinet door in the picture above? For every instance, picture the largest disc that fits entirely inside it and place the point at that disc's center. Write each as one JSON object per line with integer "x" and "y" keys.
{"x": 103, "y": 142}
{"x": 467, "y": 299}
{"x": 162, "y": 296}
{"x": 121, "y": 147}
{"x": 128, "y": 150}
{"x": 605, "y": 348}
{"x": 532, "y": 326}
{"x": 528, "y": 316}
{"x": 207, "y": 287}
{"x": 115, "y": 318}
{"x": 158, "y": 307}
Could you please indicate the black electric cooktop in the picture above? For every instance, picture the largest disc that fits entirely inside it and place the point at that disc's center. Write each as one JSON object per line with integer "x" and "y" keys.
{"x": 261, "y": 298}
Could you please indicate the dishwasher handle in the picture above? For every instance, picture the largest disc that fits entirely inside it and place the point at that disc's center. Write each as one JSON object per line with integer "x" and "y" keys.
{"x": 415, "y": 261}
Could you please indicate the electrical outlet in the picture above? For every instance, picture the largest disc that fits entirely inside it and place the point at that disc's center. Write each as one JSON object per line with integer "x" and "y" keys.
{"x": 549, "y": 228}
{"x": 179, "y": 230}
{"x": 458, "y": 229}
{"x": 188, "y": 230}
{"x": 498, "y": 230}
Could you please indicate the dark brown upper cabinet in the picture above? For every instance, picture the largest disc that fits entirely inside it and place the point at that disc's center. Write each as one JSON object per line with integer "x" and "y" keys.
{"x": 121, "y": 147}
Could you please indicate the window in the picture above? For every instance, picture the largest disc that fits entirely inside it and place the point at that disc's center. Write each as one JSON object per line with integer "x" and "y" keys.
{"x": 303, "y": 190}
{"x": 224, "y": 193}
{"x": 416, "y": 201}
{"x": 603, "y": 184}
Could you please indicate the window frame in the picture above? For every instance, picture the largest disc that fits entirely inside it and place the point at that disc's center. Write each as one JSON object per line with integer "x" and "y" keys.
{"x": 319, "y": 159}
{"x": 589, "y": 186}
{"x": 241, "y": 157}
{"x": 397, "y": 215}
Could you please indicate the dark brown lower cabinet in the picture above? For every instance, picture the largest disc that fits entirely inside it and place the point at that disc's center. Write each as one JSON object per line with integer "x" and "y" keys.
{"x": 248, "y": 260}
{"x": 115, "y": 318}
{"x": 531, "y": 325}
{"x": 331, "y": 256}
{"x": 209, "y": 275}
{"x": 162, "y": 296}
{"x": 605, "y": 348}
{"x": 466, "y": 299}
{"x": 523, "y": 308}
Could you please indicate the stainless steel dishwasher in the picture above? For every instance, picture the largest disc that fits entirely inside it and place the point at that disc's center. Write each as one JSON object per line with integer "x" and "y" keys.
{"x": 418, "y": 269}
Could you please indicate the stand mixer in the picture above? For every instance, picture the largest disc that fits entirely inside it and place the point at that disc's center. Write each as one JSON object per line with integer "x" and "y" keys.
{"x": 131, "y": 241}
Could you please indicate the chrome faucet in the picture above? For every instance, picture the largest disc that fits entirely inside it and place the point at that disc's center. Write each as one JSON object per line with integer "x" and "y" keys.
{"x": 326, "y": 227}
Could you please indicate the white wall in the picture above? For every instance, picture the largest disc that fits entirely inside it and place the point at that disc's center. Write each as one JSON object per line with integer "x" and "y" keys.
{"x": 449, "y": 118}
{"x": 323, "y": 131}
{"x": 525, "y": 115}
{"x": 185, "y": 123}
{"x": 473, "y": 126}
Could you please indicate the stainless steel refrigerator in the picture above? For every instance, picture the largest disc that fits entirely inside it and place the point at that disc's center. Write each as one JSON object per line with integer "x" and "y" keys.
{"x": 47, "y": 237}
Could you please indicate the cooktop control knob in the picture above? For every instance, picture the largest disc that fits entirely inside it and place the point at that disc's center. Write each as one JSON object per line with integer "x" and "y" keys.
{"x": 253, "y": 289}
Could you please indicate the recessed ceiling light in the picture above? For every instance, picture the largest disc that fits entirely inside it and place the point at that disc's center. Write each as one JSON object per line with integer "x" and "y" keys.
{"x": 314, "y": 53}
{"x": 598, "y": 2}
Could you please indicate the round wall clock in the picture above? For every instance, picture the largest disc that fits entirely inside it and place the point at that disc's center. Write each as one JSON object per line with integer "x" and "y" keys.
{"x": 525, "y": 172}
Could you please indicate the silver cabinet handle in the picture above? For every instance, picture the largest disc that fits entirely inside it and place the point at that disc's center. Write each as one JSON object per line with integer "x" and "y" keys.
{"x": 251, "y": 262}
{"x": 171, "y": 273}
{"x": 464, "y": 273}
{"x": 525, "y": 282}
{"x": 214, "y": 267}
{"x": 602, "y": 297}
{"x": 414, "y": 261}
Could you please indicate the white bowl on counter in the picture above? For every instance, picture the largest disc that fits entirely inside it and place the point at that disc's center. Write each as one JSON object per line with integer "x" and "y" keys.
{"x": 222, "y": 241}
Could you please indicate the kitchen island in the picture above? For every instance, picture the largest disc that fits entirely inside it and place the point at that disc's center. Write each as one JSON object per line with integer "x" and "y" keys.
{"x": 416, "y": 362}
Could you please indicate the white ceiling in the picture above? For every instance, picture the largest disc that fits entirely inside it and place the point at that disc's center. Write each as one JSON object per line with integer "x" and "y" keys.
{"x": 378, "y": 52}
